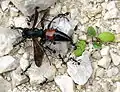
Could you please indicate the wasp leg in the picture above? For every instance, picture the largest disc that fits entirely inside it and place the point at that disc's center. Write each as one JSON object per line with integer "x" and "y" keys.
{"x": 45, "y": 82}
{"x": 29, "y": 19}
{"x": 13, "y": 27}
{"x": 60, "y": 57}
{"x": 22, "y": 40}
{"x": 43, "y": 51}
{"x": 19, "y": 42}
{"x": 46, "y": 55}
{"x": 50, "y": 50}
{"x": 23, "y": 72}
{"x": 78, "y": 63}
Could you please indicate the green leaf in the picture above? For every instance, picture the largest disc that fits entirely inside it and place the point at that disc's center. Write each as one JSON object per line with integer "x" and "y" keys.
{"x": 78, "y": 52}
{"x": 97, "y": 45}
{"x": 106, "y": 37}
{"x": 81, "y": 44}
{"x": 91, "y": 31}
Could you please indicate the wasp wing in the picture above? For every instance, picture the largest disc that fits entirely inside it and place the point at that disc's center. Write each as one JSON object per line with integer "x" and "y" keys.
{"x": 38, "y": 52}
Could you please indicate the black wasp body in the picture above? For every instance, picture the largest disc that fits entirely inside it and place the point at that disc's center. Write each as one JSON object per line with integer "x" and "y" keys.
{"x": 32, "y": 33}
{"x": 48, "y": 34}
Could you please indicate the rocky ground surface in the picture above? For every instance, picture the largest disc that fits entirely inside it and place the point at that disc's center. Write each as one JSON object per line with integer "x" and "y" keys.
{"x": 99, "y": 69}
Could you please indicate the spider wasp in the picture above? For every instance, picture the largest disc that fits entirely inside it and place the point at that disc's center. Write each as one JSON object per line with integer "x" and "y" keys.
{"x": 48, "y": 34}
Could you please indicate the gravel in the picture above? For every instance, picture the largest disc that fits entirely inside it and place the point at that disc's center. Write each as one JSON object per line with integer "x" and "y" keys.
{"x": 100, "y": 71}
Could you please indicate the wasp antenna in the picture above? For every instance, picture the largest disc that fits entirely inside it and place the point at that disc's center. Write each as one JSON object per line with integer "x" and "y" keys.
{"x": 35, "y": 17}
{"x": 59, "y": 15}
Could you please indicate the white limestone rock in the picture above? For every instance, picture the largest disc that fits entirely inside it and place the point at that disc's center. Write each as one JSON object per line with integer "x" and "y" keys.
{"x": 117, "y": 38}
{"x": 104, "y": 5}
{"x": 116, "y": 27}
{"x": 20, "y": 22}
{"x": 13, "y": 12}
{"x": 93, "y": 10}
{"x": 113, "y": 11}
{"x": 100, "y": 1}
{"x": 83, "y": 37}
{"x": 21, "y": 51}
{"x": 111, "y": 5}
{"x": 105, "y": 50}
{"x": 118, "y": 4}
{"x": 75, "y": 38}
{"x": 80, "y": 73}
{"x": 104, "y": 62}
{"x": 4, "y": 4}
{"x": 83, "y": 18}
{"x": 27, "y": 7}
{"x": 100, "y": 72}
{"x": 65, "y": 83}
{"x": 38, "y": 75}
{"x": 96, "y": 55}
{"x": 106, "y": 85}
{"x": 112, "y": 72}
{"x": 96, "y": 87}
{"x": 61, "y": 70}
{"x": 18, "y": 78}
{"x": 8, "y": 63}
{"x": 56, "y": 9}
{"x": 118, "y": 87}
{"x": 7, "y": 38}
{"x": 74, "y": 12}
{"x": 115, "y": 58}
{"x": 5, "y": 86}
{"x": 24, "y": 61}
